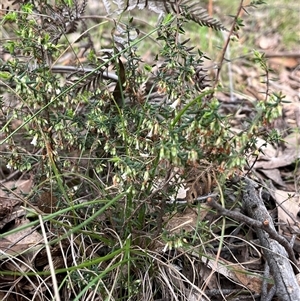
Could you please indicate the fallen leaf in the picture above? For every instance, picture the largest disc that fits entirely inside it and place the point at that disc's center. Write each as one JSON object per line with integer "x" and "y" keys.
{"x": 274, "y": 175}
{"x": 288, "y": 207}
{"x": 186, "y": 220}
{"x": 287, "y": 157}
{"x": 287, "y": 62}
{"x": 9, "y": 249}
{"x": 25, "y": 236}
{"x": 236, "y": 273}
{"x": 269, "y": 42}
{"x": 18, "y": 187}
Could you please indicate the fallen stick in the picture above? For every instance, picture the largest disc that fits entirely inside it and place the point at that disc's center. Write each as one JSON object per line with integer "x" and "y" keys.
{"x": 275, "y": 247}
{"x": 276, "y": 255}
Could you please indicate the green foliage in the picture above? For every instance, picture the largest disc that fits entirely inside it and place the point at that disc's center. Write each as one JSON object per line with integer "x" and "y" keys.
{"x": 90, "y": 135}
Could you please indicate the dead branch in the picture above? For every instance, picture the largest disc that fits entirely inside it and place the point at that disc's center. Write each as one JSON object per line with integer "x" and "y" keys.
{"x": 287, "y": 287}
{"x": 283, "y": 54}
{"x": 276, "y": 248}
